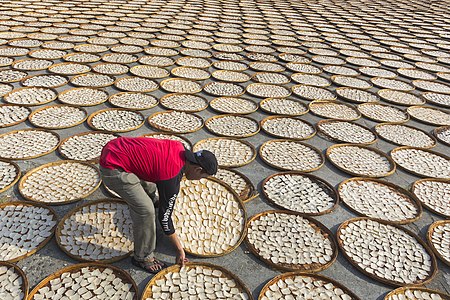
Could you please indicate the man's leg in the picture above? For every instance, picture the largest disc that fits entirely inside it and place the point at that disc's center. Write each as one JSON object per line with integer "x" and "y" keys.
{"x": 150, "y": 189}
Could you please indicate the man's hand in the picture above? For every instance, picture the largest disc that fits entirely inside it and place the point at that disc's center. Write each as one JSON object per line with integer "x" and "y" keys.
{"x": 181, "y": 258}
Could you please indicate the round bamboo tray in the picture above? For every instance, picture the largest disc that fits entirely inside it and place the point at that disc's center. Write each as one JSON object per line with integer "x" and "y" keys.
{"x": 424, "y": 121}
{"x": 289, "y": 92}
{"x": 414, "y": 82}
{"x": 222, "y": 111}
{"x": 25, "y": 177}
{"x": 421, "y": 149}
{"x": 411, "y": 199}
{"x": 44, "y": 242}
{"x": 33, "y": 156}
{"x": 402, "y": 290}
{"x": 317, "y": 151}
{"x": 438, "y": 130}
{"x": 275, "y": 99}
{"x": 135, "y": 71}
{"x": 141, "y": 91}
{"x": 19, "y": 271}
{"x": 200, "y": 67}
{"x": 232, "y": 115}
{"x": 91, "y": 116}
{"x": 433, "y": 102}
{"x": 89, "y": 104}
{"x": 263, "y": 121}
{"x": 407, "y": 116}
{"x": 216, "y": 75}
{"x": 430, "y": 231}
{"x": 331, "y": 191}
{"x": 333, "y": 79}
{"x": 163, "y": 98}
{"x": 134, "y": 108}
{"x": 150, "y": 135}
{"x": 117, "y": 72}
{"x": 315, "y": 276}
{"x": 205, "y": 87}
{"x": 55, "y": 92}
{"x": 16, "y": 178}
{"x": 313, "y": 267}
{"x": 73, "y": 79}
{"x": 164, "y": 129}
{"x": 374, "y": 82}
{"x": 67, "y": 56}
{"x": 253, "y": 150}
{"x": 75, "y": 210}
{"x": 22, "y": 81}
{"x": 255, "y": 78}
{"x": 162, "y": 83}
{"x": 50, "y": 69}
{"x": 77, "y": 267}
{"x": 352, "y": 100}
{"x": 386, "y": 99}
{"x": 434, "y": 269}
{"x": 95, "y": 160}
{"x": 249, "y": 193}
{"x": 174, "y": 71}
{"x": 318, "y": 102}
{"x": 415, "y": 128}
{"x": 16, "y": 122}
{"x": 13, "y": 65}
{"x": 379, "y": 152}
{"x": 338, "y": 140}
{"x": 176, "y": 268}
{"x": 414, "y": 186}
{"x": 30, "y": 117}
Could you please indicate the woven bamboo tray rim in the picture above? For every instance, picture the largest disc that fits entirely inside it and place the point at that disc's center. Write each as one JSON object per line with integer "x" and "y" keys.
{"x": 44, "y": 242}
{"x": 34, "y": 156}
{"x": 333, "y": 79}
{"x": 43, "y": 75}
{"x": 441, "y": 75}
{"x": 255, "y": 105}
{"x": 131, "y": 77}
{"x": 30, "y": 117}
{"x": 379, "y": 152}
{"x": 374, "y": 80}
{"x": 214, "y": 75}
{"x": 414, "y": 186}
{"x": 255, "y": 79}
{"x": 322, "y": 158}
{"x": 289, "y": 267}
{"x": 275, "y": 85}
{"x": 407, "y": 116}
{"x": 400, "y": 103}
{"x": 411, "y": 198}
{"x": 94, "y": 160}
{"x": 175, "y": 268}
{"x": 218, "y": 95}
{"x": 81, "y": 62}
{"x": 29, "y": 69}
{"x": 434, "y": 268}
{"x": 433, "y": 102}
{"x": 77, "y": 209}
{"x": 65, "y": 64}
{"x": 91, "y": 74}
{"x": 430, "y": 232}
{"x": 122, "y": 274}
{"x": 134, "y": 109}
{"x": 164, "y": 129}
{"x": 161, "y": 101}
{"x": 338, "y": 140}
{"x": 16, "y": 122}
{"x": 190, "y": 78}
{"x": 427, "y": 90}
{"x": 306, "y": 107}
{"x": 30, "y": 104}
{"x": 177, "y": 61}
{"x": 249, "y": 192}
{"x": 263, "y": 121}
{"x": 325, "y": 102}
{"x": 113, "y": 73}
{"x": 18, "y": 270}
{"x": 419, "y": 149}
{"x": 232, "y": 115}
{"x": 91, "y": 116}
{"x": 342, "y": 88}
{"x": 133, "y": 69}
{"x": 198, "y": 144}
{"x": 244, "y": 228}
{"x": 331, "y": 192}
{"x": 161, "y": 84}
{"x": 424, "y": 121}
{"x": 401, "y": 291}
{"x": 16, "y": 178}
{"x": 173, "y": 134}
{"x": 56, "y": 163}
{"x": 85, "y": 87}
{"x": 315, "y": 276}
{"x": 438, "y": 130}
{"x": 415, "y": 128}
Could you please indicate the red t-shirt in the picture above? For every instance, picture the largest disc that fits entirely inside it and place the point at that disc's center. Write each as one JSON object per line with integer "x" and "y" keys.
{"x": 149, "y": 159}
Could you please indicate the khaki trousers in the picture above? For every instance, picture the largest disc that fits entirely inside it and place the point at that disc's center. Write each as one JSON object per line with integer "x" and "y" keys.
{"x": 138, "y": 194}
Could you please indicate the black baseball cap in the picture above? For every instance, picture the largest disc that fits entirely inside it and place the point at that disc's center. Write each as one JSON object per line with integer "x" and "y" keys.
{"x": 204, "y": 158}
